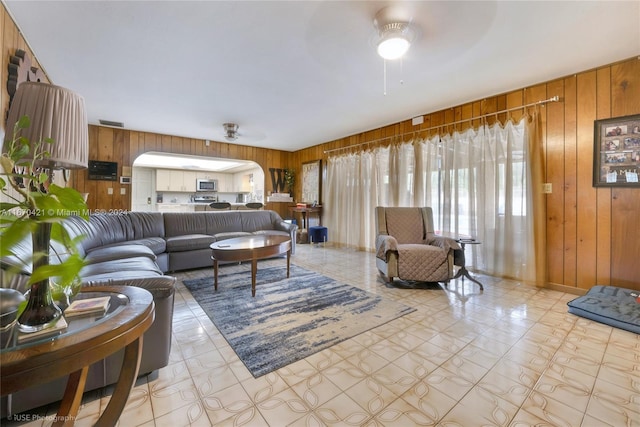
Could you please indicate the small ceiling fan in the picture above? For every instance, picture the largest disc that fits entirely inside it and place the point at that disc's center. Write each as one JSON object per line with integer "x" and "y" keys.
{"x": 231, "y": 133}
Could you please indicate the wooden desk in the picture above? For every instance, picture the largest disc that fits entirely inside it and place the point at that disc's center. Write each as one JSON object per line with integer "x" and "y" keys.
{"x": 130, "y": 314}
{"x": 304, "y": 211}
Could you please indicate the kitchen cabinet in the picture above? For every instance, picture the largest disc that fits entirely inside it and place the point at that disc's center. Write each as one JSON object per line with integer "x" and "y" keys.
{"x": 189, "y": 179}
{"x": 163, "y": 180}
{"x": 225, "y": 183}
{"x": 185, "y": 181}
{"x": 175, "y": 180}
{"x": 243, "y": 183}
{"x": 206, "y": 175}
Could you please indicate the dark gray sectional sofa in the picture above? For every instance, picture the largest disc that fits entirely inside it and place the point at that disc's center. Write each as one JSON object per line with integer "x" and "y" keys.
{"x": 137, "y": 249}
{"x": 188, "y": 236}
{"x": 175, "y": 241}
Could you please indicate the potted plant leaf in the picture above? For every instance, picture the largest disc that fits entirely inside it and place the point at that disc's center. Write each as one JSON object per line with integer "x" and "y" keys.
{"x": 290, "y": 179}
{"x": 33, "y": 207}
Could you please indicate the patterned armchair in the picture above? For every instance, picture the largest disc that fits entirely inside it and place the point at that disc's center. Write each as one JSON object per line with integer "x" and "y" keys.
{"x": 407, "y": 248}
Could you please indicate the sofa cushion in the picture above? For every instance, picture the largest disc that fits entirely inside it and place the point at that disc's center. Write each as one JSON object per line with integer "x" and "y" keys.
{"x": 77, "y": 226}
{"x": 272, "y": 233}
{"x": 402, "y": 224}
{"x": 189, "y": 242}
{"x": 22, "y": 251}
{"x": 422, "y": 262}
{"x": 106, "y": 229}
{"x": 121, "y": 251}
{"x": 257, "y": 220}
{"x": 159, "y": 286}
{"x": 147, "y": 224}
{"x": 230, "y": 235}
{"x": 131, "y": 267}
{"x": 223, "y": 222}
{"x": 157, "y": 245}
{"x": 180, "y": 223}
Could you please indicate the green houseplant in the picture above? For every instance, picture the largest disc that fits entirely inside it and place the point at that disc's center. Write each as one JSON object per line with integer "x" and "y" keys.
{"x": 34, "y": 207}
{"x": 290, "y": 179}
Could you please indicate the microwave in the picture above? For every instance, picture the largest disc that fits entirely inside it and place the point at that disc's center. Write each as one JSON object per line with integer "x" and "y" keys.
{"x": 207, "y": 185}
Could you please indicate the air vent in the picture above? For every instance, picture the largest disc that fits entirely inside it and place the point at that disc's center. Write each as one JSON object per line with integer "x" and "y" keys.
{"x": 110, "y": 123}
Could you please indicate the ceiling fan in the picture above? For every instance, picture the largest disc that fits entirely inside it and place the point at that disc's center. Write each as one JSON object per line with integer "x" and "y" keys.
{"x": 231, "y": 133}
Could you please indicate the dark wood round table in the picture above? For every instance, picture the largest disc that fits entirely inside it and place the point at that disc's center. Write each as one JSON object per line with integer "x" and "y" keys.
{"x": 72, "y": 352}
{"x": 249, "y": 248}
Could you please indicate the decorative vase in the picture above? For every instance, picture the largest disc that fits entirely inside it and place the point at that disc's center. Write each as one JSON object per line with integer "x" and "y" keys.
{"x": 63, "y": 301}
{"x": 40, "y": 312}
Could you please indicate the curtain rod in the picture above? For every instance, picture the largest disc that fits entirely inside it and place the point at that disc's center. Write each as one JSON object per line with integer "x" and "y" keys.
{"x": 552, "y": 99}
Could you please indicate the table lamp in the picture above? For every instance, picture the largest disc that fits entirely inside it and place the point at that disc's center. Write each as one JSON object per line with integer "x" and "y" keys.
{"x": 58, "y": 114}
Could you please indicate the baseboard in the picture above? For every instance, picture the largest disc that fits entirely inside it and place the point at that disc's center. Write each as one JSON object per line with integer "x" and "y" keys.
{"x": 566, "y": 289}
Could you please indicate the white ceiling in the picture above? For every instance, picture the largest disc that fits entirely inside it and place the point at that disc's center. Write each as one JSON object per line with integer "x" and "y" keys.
{"x": 294, "y": 74}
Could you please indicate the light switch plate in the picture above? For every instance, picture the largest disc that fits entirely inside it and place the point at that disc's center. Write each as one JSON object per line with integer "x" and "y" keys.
{"x": 547, "y": 188}
{"x": 110, "y": 190}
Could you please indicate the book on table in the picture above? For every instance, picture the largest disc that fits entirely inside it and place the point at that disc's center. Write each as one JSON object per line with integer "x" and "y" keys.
{"x": 59, "y": 327}
{"x": 88, "y": 307}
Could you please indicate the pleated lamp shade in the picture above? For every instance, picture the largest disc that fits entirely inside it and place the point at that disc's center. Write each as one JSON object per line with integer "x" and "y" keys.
{"x": 56, "y": 113}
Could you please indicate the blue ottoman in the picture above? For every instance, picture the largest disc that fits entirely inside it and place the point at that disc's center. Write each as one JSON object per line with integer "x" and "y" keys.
{"x": 318, "y": 234}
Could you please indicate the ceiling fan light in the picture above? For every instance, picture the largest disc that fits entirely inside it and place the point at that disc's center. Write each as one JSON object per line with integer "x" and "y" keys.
{"x": 393, "y": 47}
{"x": 231, "y": 131}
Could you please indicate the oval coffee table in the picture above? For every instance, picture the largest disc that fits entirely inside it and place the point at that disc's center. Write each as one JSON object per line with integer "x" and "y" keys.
{"x": 249, "y": 248}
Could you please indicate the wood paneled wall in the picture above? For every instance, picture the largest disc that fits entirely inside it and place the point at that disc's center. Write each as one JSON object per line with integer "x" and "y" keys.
{"x": 593, "y": 234}
{"x": 10, "y": 39}
{"x": 124, "y": 146}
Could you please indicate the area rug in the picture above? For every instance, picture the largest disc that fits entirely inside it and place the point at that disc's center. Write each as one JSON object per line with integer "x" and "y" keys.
{"x": 289, "y": 319}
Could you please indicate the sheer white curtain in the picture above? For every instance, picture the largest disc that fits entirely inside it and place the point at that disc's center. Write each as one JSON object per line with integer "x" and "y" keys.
{"x": 484, "y": 180}
{"x": 476, "y": 181}
{"x": 352, "y": 182}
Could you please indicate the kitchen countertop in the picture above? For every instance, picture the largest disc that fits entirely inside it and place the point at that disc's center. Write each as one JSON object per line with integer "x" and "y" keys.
{"x": 196, "y": 203}
{"x": 181, "y": 203}
{"x": 189, "y": 206}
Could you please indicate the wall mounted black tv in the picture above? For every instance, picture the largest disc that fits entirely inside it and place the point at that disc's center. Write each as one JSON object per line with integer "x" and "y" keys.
{"x": 103, "y": 171}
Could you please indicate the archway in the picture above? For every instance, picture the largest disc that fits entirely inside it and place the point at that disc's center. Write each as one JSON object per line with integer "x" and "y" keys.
{"x": 167, "y": 181}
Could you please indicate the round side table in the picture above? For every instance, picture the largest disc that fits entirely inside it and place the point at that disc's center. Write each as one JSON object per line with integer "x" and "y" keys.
{"x": 84, "y": 342}
{"x": 462, "y": 271}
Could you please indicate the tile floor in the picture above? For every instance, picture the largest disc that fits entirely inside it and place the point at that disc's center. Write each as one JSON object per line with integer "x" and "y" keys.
{"x": 508, "y": 356}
